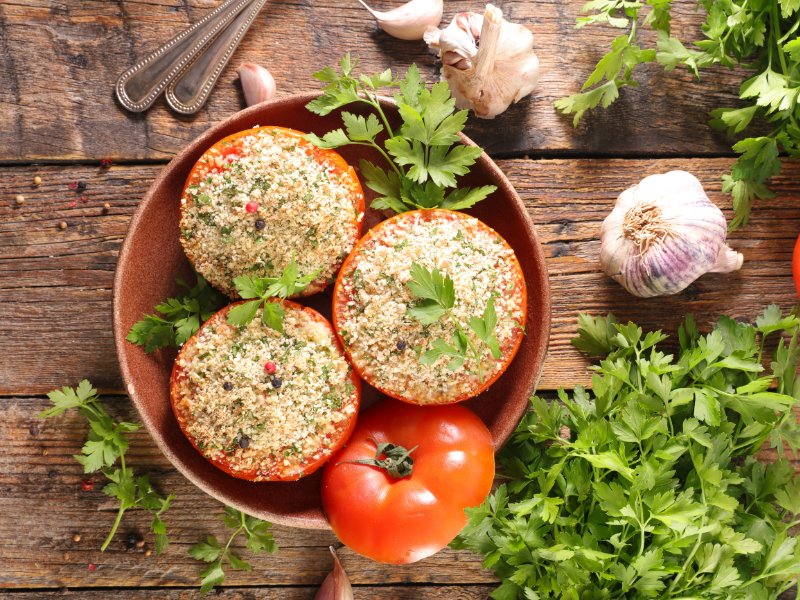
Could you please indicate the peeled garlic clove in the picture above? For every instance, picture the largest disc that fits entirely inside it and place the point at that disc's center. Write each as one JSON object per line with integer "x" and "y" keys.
{"x": 410, "y": 21}
{"x": 663, "y": 234}
{"x": 258, "y": 84}
{"x": 497, "y": 67}
{"x": 336, "y": 585}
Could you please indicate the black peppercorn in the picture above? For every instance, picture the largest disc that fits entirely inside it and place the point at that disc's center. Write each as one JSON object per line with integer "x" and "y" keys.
{"x": 227, "y": 386}
{"x": 244, "y": 441}
{"x": 401, "y": 345}
{"x": 133, "y": 539}
{"x": 276, "y": 382}
{"x": 81, "y": 186}
{"x": 260, "y": 224}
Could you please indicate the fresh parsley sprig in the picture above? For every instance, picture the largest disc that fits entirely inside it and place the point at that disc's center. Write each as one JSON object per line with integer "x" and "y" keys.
{"x": 425, "y": 155}
{"x": 646, "y": 486}
{"x": 436, "y": 298}
{"x": 259, "y": 539}
{"x": 262, "y": 288}
{"x": 759, "y": 35}
{"x": 181, "y": 317}
{"x": 104, "y": 451}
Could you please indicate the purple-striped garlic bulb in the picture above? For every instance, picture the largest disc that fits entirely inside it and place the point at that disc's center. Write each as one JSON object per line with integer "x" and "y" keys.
{"x": 663, "y": 234}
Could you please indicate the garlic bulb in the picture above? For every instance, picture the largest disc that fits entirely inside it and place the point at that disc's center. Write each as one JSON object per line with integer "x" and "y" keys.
{"x": 663, "y": 234}
{"x": 488, "y": 62}
{"x": 410, "y": 21}
{"x": 258, "y": 84}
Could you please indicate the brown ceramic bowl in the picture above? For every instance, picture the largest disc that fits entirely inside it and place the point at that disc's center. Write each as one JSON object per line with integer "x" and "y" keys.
{"x": 151, "y": 257}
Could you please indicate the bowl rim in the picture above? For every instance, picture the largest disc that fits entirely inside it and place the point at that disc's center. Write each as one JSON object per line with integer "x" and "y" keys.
{"x": 205, "y": 140}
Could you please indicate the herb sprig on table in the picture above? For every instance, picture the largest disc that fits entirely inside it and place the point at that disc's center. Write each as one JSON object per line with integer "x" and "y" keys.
{"x": 763, "y": 36}
{"x": 104, "y": 451}
{"x": 424, "y": 155}
{"x": 259, "y": 539}
{"x": 261, "y": 289}
{"x": 436, "y": 298}
{"x": 180, "y": 317}
{"x": 647, "y": 485}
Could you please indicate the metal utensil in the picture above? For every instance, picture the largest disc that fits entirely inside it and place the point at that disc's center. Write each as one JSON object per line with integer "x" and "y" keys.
{"x": 188, "y": 92}
{"x": 138, "y": 87}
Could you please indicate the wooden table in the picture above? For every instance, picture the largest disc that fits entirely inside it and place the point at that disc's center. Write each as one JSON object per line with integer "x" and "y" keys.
{"x": 58, "y": 119}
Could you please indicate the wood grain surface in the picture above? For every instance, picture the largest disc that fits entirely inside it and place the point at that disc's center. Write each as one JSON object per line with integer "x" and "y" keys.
{"x": 55, "y": 285}
{"x": 59, "y": 60}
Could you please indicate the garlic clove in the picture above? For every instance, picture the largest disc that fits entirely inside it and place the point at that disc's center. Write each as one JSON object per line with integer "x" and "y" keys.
{"x": 663, "y": 234}
{"x": 411, "y": 20}
{"x": 336, "y": 585}
{"x": 258, "y": 84}
{"x": 499, "y": 65}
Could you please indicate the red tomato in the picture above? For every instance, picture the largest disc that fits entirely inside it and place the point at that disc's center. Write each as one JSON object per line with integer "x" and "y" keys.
{"x": 405, "y": 519}
{"x": 796, "y": 265}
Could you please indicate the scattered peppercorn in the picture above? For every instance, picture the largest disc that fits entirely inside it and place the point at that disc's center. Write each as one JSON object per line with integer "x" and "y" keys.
{"x": 37, "y": 181}
{"x": 133, "y": 539}
{"x": 44, "y": 451}
{"x": 227, "y": 386}
{"x": 73, "y": 204}
{"x": 148, "y": 553}
{"x": 81, "y": 186}
{"x": 19, "y": 199}
{"x": 87, "y": 485}
{"x": 251, "y": 206}
{"x": 76, "y": 537}
{"x": 106, "y": 207}
{"x": 270, "y": 367}
{"x": 62, "y": 225}
{"x": 140, "y": 544}
{"x": 106, "y": 163}
{"x": 92, "y": 567}
{"x": 401, "y": 345}
{"x": 72, "y": 185}
{"x": 244, "y": 442}
{"x": 277, "y": 382}
{"x": 260, "y": 224}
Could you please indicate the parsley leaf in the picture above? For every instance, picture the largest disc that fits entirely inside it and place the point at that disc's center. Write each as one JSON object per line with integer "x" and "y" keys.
{"x": 265, "y": 288}
{"x": 104, "y": 451}
{"x": 647, "y": 486}
{"x": 181, "y": 317}
{"x": 258, "y": 539}
{"x": 424, "y": 155}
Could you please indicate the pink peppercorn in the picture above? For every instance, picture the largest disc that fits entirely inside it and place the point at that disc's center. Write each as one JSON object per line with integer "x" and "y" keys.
{"x": 87, "y": 485}
{"x": 92, "y": 567}
{"x": 251, "y": 207}
{"x": 270, "y": 367}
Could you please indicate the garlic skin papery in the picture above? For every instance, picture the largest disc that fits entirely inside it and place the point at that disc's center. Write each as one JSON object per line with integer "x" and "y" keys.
{"x": 488, "y": 62}
{"x": 258, "y": 84}
{"x": 663, "y": 234}
{"x": 411, "y": 20}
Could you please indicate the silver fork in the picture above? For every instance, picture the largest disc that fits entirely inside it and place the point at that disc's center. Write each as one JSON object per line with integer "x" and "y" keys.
{"x": 188, "y": 65}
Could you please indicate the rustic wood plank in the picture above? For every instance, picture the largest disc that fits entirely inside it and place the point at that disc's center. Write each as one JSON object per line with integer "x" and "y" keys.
{"x": 42, "y": 506}
{"x": 59, "y": 61}
{"x": 416, "y": 592}
{"x": 55, "y": 286}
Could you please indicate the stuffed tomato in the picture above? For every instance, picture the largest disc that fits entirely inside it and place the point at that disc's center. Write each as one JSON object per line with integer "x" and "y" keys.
{"x": 260, "y": 198}
{"x": 430, "y": 306}
{"x": 262, "y": 404}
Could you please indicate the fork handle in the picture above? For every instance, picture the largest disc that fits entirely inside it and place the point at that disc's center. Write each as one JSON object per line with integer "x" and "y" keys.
{"x": 138, "y": 87}
{"x": 188, "y": 92}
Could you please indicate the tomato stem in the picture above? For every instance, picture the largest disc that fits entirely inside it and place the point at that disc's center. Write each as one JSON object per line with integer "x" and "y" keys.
{"x": 397, "y": 461}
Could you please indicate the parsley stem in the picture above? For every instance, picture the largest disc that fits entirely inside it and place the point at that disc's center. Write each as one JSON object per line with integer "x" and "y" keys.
{"x": 120, "y": 512}
{"x": 775, "y": 32}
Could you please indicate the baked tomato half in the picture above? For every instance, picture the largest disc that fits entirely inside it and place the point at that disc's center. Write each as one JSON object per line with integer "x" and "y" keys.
{"x": 260, "y": 198}
{"x": 430, "y": 306}
{"x": 796, "y": 266}
{"x": 263, "y": 404}
{"x": 397, "y": 491}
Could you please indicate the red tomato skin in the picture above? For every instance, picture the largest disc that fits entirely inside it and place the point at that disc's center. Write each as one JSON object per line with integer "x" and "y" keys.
{"x": 401, "y": 521}
{"x": 796, "y": 266}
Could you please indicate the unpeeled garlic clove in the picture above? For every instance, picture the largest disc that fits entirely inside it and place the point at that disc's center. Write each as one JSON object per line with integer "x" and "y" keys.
{"x": 258, "y": 84}
{"x": 336, "y": 585}
{"x": 488, "y": 62}
{"x": 411, "y": 20}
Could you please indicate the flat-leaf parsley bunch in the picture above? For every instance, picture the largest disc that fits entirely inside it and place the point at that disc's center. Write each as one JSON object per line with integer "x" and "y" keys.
{"x": 647, "y": 485}
{"x": 761, "y": 35}
{"x": 424, "y": 155}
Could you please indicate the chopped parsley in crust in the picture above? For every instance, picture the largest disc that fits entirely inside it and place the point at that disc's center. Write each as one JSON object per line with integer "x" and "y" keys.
{"x": 259, "y": 198}
{"x": 371, "y": 300}
{"x": 262, "y": 405}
